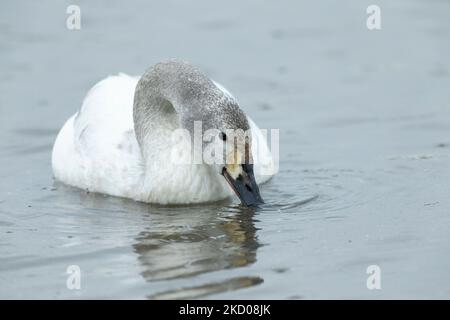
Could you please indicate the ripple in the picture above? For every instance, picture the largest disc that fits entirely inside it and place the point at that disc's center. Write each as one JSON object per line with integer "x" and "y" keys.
{"x": 321, "y": 192}
{"x": 281, "y": 206}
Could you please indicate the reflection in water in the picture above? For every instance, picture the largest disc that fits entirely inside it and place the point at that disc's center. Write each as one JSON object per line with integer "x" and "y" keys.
{"x": 197, "y": 240}
{"x": 207, "y": 289}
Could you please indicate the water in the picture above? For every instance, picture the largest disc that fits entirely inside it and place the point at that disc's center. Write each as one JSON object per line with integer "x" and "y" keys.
{"x": 364, "y": 121}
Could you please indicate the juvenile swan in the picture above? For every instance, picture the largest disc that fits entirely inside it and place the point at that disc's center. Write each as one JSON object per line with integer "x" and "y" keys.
{"x": 119, "y": 143}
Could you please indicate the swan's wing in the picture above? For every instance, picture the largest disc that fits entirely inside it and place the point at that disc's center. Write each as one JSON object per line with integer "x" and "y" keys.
{"x": 106, "y": 115}
{"x": 264, "y": 164}
{"x": 101, "y": 138}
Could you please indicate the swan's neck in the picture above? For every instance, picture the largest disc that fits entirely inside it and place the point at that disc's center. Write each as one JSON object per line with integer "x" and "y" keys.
{"x": 167, "y": 98}
{"x": 155, "y": 119}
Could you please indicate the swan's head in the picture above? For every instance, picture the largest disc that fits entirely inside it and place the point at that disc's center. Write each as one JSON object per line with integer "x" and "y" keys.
{"x": 227, "y": 147}
{"x": 238, "y": 171}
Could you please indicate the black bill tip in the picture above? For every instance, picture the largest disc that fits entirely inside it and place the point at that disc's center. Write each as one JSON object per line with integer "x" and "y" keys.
{"x": 245, "y": 186}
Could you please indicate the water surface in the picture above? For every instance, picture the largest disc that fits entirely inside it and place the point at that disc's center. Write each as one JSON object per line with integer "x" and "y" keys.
{"x": 364, "y": 119}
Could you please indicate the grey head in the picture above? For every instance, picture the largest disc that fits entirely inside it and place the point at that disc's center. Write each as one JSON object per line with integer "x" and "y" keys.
{"x": 192, "y": 94}
{"x": 176, "y": 89}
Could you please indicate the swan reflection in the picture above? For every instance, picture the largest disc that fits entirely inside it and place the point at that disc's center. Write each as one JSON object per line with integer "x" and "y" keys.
{"x": 195, "y": 240}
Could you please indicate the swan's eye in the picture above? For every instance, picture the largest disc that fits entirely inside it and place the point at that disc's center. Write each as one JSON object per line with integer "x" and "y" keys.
{"x": 223, "y": 136}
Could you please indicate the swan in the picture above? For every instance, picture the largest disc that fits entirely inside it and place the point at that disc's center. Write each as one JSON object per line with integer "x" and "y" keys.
{"x": 119, "y": 142}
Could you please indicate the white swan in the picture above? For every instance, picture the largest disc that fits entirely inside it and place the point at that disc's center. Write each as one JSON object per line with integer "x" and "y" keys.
{"x": 117, "y": 144}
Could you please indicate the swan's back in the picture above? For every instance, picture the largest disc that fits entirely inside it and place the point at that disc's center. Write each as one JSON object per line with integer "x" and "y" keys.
{"x": 97, "y": 149}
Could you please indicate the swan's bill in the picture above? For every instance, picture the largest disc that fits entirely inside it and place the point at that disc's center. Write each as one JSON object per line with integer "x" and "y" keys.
{"x": 242, "y": 180}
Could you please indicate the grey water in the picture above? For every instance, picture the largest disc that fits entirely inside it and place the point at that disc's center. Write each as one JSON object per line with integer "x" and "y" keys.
{"x": 364, "y": 174}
